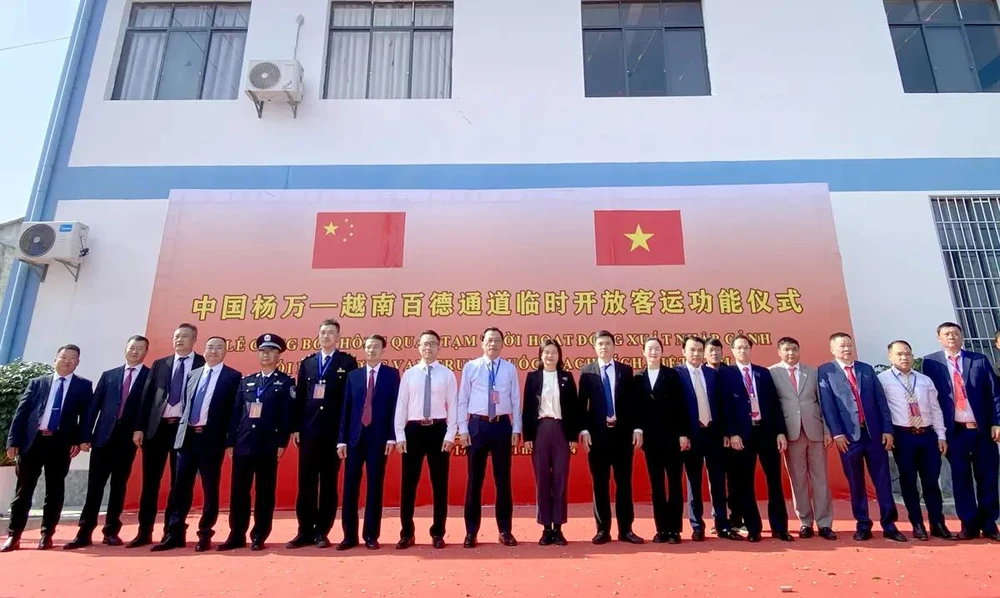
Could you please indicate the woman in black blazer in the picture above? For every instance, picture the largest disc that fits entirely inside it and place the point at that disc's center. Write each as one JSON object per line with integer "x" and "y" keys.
{"x": 551, "y": 424}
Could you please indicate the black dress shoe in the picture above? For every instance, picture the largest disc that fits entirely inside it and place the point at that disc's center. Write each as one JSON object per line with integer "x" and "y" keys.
{"x": 753, "y": 537}
{"x": 698, "y": 535}
{"x": 204, "y": 544}
{"x": 660, "y": 538}
{"x": 372, "y": 544}
{"x": 470, "y": 541}
{"x": 827, "y": 533}
{"x": 919, "y": 533}
{"x": 547, "y": 539}
{"x": 806, "y": 532}
{"x": 112, "y": 541}
{"x": 324, "y": 542}
{"x": 140, "y": 541}
{"x": 232, "y": 544}
{"x": 731, "y": 534}
{"x": 895, "y": 535}
{"x": 966, "y": 534}
{"x": 992, "y": 535}
{"x": 559, "y": 538}
{"x": 300, "y": 541}
{"x": 257, "y": 545}
{"x": 601, "y": 538}
{"x": 78, "y": 542}
{"x": 347, "y": 544}
{"x": 941, "y": 531}
{"x": 437, "y": 542}
{"x": 507, "y": 539}
{"x": 783, "y": 536}
{"x": 11, "y": 544}
{"x": 404, "y": 543}
{"x": 673, "y": 538}
{"x": 862, "y": 536}
{"x": 630, "y": 538}
{"x": 45, "y": 542}
{"x": 169, "y": 543}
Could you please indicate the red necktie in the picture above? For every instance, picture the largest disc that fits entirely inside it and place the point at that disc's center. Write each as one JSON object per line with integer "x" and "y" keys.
{"x": 366, "y": 415}
{"x": 794, "y": 380}
{"x": 126, "y": 387}
{"x": 961, "y": 399}
{"x": 852, "y": 379}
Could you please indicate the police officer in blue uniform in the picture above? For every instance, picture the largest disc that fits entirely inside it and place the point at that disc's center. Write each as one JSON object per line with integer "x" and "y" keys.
{"x": 258, "y": 437}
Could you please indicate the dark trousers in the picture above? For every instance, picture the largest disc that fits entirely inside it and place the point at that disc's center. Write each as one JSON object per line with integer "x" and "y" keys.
{"x": 51, "y": 454}
{"x": 369, "y": 457}
{"x": 550, "y": 460}
{"x": 668, "y": 501}
{"x": 612, "y": 452}
{"x": 919, "y": 454}
{"x": 424, "y": 441}
{"x": 489, "y": 439}
{"x": 868, "y": 451}
{"x": 706, "y": 452}
{"x": 198, "y": 457}
{"x": 734, "y": 466}
{"x": 112, "y": 461}
{"x": 316, "y": 504}
{"x": 246, "y": 470}
{"x": 973, "y": 456}
{"x": 155, "y": 452}
{"x": 760, "y": 446}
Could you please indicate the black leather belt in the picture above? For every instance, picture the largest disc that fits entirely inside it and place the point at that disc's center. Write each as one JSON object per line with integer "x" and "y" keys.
{"x": 171, "y": 420}
{"x": 197, "y": 429}
{"x": 427, "y": 422}
{"x": 912, "y": 430}
{"x": 486, "y": 418}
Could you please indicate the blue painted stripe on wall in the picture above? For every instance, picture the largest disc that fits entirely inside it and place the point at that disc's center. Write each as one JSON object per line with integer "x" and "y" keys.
{"x": 904, "y": 174}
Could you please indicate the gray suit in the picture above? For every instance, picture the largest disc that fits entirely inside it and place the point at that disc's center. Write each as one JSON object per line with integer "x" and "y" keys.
{"x": 806, "y": 457}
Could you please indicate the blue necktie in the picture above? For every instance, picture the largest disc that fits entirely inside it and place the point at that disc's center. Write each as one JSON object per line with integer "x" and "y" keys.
{"x": 427, "y": 394}
{"x": 56, "y": 415}
{"x": 609, "y": 404}
{"x": 177, "y": 383}
{"x": 491, "y": 407}
{"x": 326, "y": 362}
{"x": 199, "y": 400}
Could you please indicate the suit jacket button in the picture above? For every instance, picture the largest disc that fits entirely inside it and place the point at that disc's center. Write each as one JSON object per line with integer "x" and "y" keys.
{"x": 253, "y": 425}
{"x": 321, "y": 408}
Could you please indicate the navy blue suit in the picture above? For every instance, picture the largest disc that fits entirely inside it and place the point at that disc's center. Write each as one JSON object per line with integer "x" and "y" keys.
{"x": 113, "y": 450}
{"x": 971, "y": 452}
{"x": 366, "y": 447}
{"x": 840, "y": 411}
{"x": 45, "y": 450}
{"x": 706, "y": 451}
{"x": 759, "y": 442}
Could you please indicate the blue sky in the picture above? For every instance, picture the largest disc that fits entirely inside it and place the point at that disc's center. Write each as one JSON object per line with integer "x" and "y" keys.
{"x": 31, "y": 77}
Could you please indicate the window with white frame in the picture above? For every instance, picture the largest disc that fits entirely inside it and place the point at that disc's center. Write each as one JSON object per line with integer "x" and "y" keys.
{"x": 182, "y": 51}
{"x": 969, "y": 231}
{"x": 386, "y": 50}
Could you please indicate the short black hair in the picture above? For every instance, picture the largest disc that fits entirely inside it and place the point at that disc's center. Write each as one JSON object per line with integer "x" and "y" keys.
{"x": 221, "y": 338}
{"x": 330, "y": 322}
{"x": 944, "y": 325}
{"x": 653, "y": 338}
{"x": 489, "y": 330}
{"x": 190, "y": 327}
{"x": 743, "y": 337}
{"x": 377, "y": 337}
{"x": 692, "y": 338}
{"x": 604, "y": 334}
{"x": 837, "y": 335}
{"x": 139, "y": 339}
{"x": 898, "y": 342}
{"x": 787, "y": 340}
{"x": 430, "y": 332}
{"x": 713, "y": 342}
{"x": 68, "y": 347}
{"x": 550, "y": 342}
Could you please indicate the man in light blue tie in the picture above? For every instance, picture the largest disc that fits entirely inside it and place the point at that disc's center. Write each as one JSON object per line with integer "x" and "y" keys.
{"x": 489, "y": 423}
{"x": 210, "y": 394}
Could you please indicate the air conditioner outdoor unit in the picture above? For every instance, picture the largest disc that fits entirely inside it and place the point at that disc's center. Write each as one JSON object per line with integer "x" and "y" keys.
{"x": 41, "y": 243}
{"x": 274, "y": 81}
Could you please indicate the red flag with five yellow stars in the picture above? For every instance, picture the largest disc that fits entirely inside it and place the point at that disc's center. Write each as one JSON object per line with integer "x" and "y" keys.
{"x": 359, "y": 240}
{"x": 638, "y": 237}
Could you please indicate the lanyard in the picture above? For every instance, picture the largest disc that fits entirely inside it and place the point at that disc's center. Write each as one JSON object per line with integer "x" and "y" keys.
{"x": 493, "y": 374}
{"x": 910, "y": 392}
{"x": 262, "y": 386}
{"x": 323, "y": 368}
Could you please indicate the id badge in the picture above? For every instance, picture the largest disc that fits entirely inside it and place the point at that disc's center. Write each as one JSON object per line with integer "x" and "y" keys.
{"x": 319, "y": 390}
{"x": 914, "y": 409}
{"x": 495, "y": 397}
{"x": 256, "y": 409}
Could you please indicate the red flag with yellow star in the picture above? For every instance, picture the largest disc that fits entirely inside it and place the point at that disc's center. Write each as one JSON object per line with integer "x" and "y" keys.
{"x": 359, "y": 240}
{"x": 638, "y": 237}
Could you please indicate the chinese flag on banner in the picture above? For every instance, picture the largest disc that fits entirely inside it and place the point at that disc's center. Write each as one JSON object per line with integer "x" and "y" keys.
{"x": 638, "y": 237}
{"x": 359, "y": 240}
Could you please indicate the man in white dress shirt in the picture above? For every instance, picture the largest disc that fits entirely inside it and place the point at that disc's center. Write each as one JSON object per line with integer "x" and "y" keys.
{"x": 426, "y": 426}
{"x": 919, "y": 433}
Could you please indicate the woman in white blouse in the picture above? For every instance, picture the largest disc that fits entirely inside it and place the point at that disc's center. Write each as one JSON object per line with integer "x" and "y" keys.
{"x": 551, "y": 424}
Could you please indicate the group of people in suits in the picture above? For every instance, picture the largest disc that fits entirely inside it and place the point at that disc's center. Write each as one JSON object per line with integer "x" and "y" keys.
{"x": 189, "y": 410}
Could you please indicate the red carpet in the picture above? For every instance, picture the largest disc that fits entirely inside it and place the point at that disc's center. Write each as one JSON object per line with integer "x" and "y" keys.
{"x": 812, "y": 567}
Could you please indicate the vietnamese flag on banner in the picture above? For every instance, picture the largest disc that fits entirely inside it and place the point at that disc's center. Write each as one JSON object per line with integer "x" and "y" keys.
{"x": 638, "y": 237}
{"x": 359, "y": 240}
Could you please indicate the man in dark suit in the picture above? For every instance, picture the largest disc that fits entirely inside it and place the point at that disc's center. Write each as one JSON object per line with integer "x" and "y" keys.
{"x": 315, "y": 424}
{"x": 857, "y": 414}
{"x": 666, "y": 434}
{"x": 201, "y": 445}
{"x": 156, "y": 427}
{"x": 756, "y": 429}
{"x": 703, "y": 394}
{"x": 612, "y": 431}
{"x": 970, "y": 403}
{"x": 45, "y": 434}
{"x": 108, "y": 430}
{"x": 367, "y": 435}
